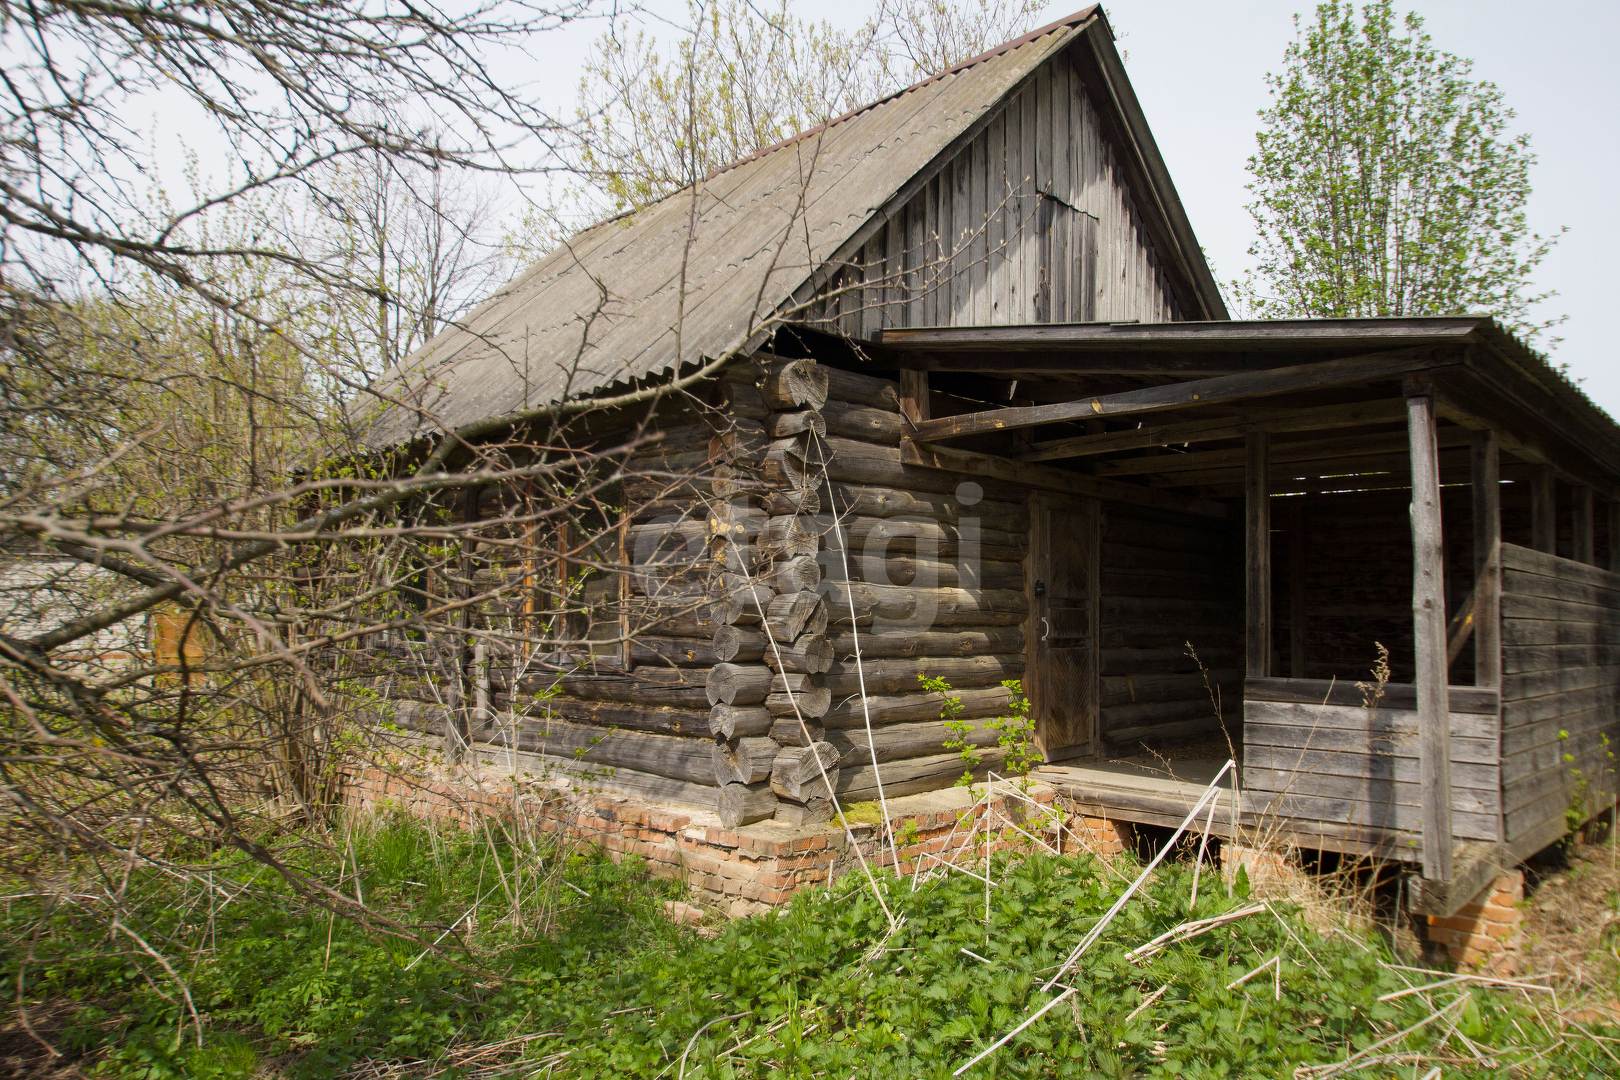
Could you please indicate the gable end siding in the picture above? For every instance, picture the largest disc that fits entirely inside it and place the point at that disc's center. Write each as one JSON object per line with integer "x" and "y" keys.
{"x": 1030, "y": 222}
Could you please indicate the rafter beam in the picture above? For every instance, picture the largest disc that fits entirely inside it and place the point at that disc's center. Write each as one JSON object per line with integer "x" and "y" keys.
{"x": 1215, "y": 429}
{"x": 1181, "y": 395}
{"x": 1354, "y": 446}
{"x": 1047, "y": 478}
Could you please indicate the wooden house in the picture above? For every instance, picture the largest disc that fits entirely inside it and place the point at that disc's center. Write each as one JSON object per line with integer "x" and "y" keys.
{"x": 975, "y": 409}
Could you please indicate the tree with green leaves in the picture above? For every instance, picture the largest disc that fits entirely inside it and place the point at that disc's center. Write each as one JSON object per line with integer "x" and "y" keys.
{"x": 1387, "y": 181}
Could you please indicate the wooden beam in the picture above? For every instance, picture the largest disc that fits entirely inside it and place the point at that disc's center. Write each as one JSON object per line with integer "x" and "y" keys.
{"x": 1487, "y": 500}
{"x": 1281, "y": 453}
{"x": 1429, "y": 640}
{"x": 1283, "y": 474}
{"x": 1046, "y": 478}
{"x": 1324, "y": 418}
{"x": 1257, "y": 558}
{"x": 1296, "y": 588}
{"x": 1614, "y": 536}
{"x": 1181, "y": 395}
{"x": 1287, "y": 335}
{"x": 914, "y": 397}
{"x": 1585, "y": 541}
{"x": 1544, "y": 510}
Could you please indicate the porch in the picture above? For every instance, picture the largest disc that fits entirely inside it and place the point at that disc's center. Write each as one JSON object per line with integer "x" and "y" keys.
{"x": 1433, "y": 492}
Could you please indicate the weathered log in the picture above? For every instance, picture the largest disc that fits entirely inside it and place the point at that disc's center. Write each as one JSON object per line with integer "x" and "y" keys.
{"x": 865, "y": 389}
{"x": 747, "y": 761}
{"x": 738, "y": 684}
{"x": 853, "y": 462}
{"x": 744, "y": 645}
{"x": 804, "y": 772}
{"x": 742, "y": 598}
{"x": 813, "y": 812}
{"x": 737, "y": 519}
{"x": 646, "y": 686}
{"x": 671, "y": 543}
{"x": 804, "y": 691}
{"x": 872, "y": 535}
{"x": 909, "y": 776}
{"x": 672, "y": 651}
{"x": 661, "y": 755}
{"x": 789, "y": 536}
{"x": 855, "y": 421}
{"x": 783, "y": 464}
{"x": 739, "y": 392}
{"x": 784, "y": 501}
{"x": 925, "y": 607}
{"x": 743, "y": 804}
{"x": 907, "y": 708}
{"x": 900, "y": 676}
{"x": 898, "y": 741}
{"x": 908, "y": 570}
{"x": 794, "y": 384}
{"x": 728, "y": 482}
{"x": 797, "y": 731}
{"x": 781, "y": 425}
{"x": 792, "y": 614}
{"x": 743, "y": 441}
{"x": 794, "y": 575}
{"x": 864, "y": 500}
{"x": 810, "y": 654}
{"x": 737, "y": 721}
{"x": 654, "y": 718}
{"x": 697, "y": 621}
{"x": 894, "y": 643}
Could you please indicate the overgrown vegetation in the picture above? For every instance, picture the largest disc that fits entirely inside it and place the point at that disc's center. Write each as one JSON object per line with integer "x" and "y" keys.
{"x": 821, "y": 988}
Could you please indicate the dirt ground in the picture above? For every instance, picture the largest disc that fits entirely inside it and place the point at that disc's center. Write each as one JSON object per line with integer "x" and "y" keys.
{"x": 1572, "y": 922}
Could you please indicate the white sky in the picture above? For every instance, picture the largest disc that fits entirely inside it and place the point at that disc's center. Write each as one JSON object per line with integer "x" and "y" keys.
{"x": 1199, "y": 71}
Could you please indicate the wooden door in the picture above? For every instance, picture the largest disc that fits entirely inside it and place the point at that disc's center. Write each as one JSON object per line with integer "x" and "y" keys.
{"x": 1062, "y": 649}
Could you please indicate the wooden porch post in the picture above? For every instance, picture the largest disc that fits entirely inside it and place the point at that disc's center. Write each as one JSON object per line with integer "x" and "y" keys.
{"x": 1544, "y": 511}
{"x": 1257, "y": 554}
{"x": 1614, "y": 536}
{"x": 914, "y": 396}
{"x": 1296, "y": 588}
{"x": 1429, "y": 633}
{"x": 1585, "y": 543}
{"x": 1487, "y": 491}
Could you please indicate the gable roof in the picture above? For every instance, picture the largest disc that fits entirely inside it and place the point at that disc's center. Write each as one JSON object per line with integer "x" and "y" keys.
{"x": 609, "y": 308}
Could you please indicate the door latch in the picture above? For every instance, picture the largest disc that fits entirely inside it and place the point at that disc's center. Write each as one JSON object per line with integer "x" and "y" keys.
{"x": 1040, "y": 586}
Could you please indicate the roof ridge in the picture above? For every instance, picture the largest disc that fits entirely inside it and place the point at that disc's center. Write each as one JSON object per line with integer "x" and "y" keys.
{"x": 1005, "y": 47}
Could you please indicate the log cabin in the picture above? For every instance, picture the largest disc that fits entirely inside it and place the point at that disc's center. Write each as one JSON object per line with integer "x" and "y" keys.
{"x": 960, "y": 397}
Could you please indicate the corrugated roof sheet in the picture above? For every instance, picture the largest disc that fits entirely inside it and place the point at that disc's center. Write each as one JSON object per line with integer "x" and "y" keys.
{"x": 609, "y": 307}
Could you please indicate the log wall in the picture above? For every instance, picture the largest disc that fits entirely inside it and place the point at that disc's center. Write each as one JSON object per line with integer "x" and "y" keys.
{"x": 1560, "y": 692}
{"x": 1168, "y": 580}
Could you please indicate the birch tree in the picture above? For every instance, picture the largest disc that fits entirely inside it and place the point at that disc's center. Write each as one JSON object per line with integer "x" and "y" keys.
{"x": 1388, "y": 181}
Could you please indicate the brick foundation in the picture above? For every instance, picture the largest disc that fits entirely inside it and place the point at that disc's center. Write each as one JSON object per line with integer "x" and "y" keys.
{"x": 1486, "y": 935}
{"x": 750, "y": 869}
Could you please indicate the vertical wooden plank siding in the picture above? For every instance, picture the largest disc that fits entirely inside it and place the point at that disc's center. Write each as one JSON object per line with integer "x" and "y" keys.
{"x": 1544, "y": 511}
{"x": 1296, "y": 588}
{"x": 1585, "y": 541}
{"x": 1429, "y": 636}
{"x": 1487, "y": 506}
{"x": 1257, "y": 555}
{"x": 1031, "y": 221}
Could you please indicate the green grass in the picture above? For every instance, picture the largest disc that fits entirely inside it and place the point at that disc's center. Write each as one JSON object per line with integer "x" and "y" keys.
{"x": 624, "y": 992}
